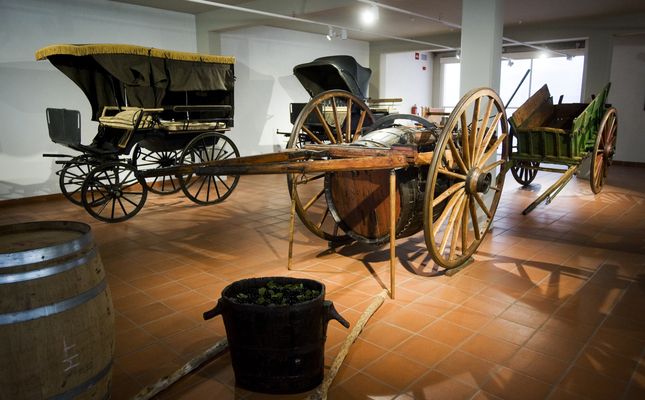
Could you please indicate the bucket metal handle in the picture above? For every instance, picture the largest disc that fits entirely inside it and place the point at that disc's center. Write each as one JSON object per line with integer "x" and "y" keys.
{"x": 331, "y": 313}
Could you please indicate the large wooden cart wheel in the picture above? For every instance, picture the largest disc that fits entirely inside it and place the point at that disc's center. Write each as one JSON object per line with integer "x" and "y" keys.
{"x": 522, "y": 173}
{"x": 604, "y": 149}
{"x": 332, "y": 117}
{"x": 208, "y": 189}
{"x": 72, "y": 176}
{"x": 144, "y": 159}
{"x": 466, "y": 178}
{"x": 113, "y": 193}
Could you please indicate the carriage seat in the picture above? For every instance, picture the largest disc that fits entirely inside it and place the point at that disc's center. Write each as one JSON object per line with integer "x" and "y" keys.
{"x": 190, "y": 125}
{"x": 129, "y": 117}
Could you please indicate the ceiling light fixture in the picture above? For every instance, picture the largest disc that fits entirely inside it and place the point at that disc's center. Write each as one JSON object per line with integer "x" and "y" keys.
{"x": 369, "y": 15}
{"x": 510, "y": 62}
{"x": 343, "y": 34}
{"x": 458, "y": 54}
{"x": 330, "y": 35}
{"x": 309, "y": 21}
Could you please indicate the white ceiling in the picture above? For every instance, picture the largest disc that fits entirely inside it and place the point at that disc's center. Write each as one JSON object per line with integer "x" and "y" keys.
{"x": 345, "y": 13}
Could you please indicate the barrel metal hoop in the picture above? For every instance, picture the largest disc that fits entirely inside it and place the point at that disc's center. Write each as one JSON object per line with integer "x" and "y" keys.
{"x": 50, "y": 252}
{"x": 75, "y": 391}
{"x": 51, "y": 309}
{"x": 49, "y": 271}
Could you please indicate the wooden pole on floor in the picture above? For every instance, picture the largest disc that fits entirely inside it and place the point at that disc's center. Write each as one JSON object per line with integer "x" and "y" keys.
{"x": 323, "y": 389}
{"x": 292, "y": 222}
{"x": 392, "y": 230}
{"x": 163, "y": 383}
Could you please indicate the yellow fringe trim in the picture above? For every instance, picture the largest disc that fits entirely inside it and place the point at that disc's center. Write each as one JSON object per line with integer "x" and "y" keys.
{"x": 91, "y": 49}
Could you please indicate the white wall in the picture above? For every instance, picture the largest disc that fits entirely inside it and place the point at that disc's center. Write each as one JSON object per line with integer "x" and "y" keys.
{"x": 265, "y": 84}
{"x": 627, "y": 94}
{"x": 28, "y": 86}
{"x": 404, "y": 76}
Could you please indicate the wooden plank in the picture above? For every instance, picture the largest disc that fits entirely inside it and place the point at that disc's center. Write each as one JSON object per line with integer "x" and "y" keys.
{"x": 530, "y": 106}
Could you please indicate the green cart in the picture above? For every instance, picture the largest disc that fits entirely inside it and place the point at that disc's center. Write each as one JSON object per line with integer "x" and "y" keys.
{"x": 546, "y": 136}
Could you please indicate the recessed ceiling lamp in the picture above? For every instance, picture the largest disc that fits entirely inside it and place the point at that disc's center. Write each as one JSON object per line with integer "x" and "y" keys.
{"x": 369, "y": 15}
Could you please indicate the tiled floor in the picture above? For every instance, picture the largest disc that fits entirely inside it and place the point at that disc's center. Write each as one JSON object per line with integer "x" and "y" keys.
{"x": 552, "y": 308}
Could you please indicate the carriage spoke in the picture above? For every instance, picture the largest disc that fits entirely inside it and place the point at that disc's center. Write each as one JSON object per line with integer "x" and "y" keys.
{"x": 482, "y": 205}
{"x": 200, "y": 186}
{"x": 473, "y": 132}
{"x": 483, "y": 127}
{"x": 322, "y": 221}
{"x": 322, "y": 120}
{"x": 348, "y": 119}
{"x": 450, "y": 228}
{"x": 494, "y": 165}
{"x": 492, "y": 150}
{"x": 311, "y": 135}
{"x": 465, "y": 141}
{"x": 490, "y": 132}
{"x": 448, "y": 192}
{"x": 446, "y": 211}
{"x": 223, "y": 183}
{"x": 456, "y": 155}
{"x": 473, "y": 217}
{"x": 464, "y": 225}
{"x": 313, "y": 199}
{"x": 121, "y": 205}
{"x": 307, "y": 180}
{"x": 337, "y": 125}
{"x": 452, "y": 174}
{"x": 359, "y": 127}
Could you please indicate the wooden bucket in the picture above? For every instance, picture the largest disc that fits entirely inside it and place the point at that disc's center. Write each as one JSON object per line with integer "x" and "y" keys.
{"x": 56, "y": 314}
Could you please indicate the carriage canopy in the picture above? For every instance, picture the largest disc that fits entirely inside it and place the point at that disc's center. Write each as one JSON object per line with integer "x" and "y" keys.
{"x": 137, "y": 76}
{"x": 334, "y": 72}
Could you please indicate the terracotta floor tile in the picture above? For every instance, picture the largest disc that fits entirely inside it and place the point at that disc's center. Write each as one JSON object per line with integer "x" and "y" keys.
{"x": 467, "y": 318}
{"x": 446, "y": 332}
{"x": 486, "y": 305}
{"x": 510, "y": 331}
{"x": 554, "y": 345}
{"x": 606, "y": 363}
{"x": 170, "y": 289}
{"x": 467, "y": 368}
{"x": 537, "y": 365}
{"x": 591, "y": 385}
{"x": 409, "y": 319}
{"x": 132, "y": 340}
{"x": 169, "y": 325}
{"x": 185, "y": 300}
{"x": 360, "y": 387}
{"x": 490, "y": 349}
{"x": 148, "y": 313}
{"x": 525, "y": 315}
{"x": 511, "y": 385}
{"x": 437, "y": 385}
{"x": 363, "y": 353}
{"x": 396, "y": 370}
{"x": 384, "y": 335}
{"x": 423, "y": 350}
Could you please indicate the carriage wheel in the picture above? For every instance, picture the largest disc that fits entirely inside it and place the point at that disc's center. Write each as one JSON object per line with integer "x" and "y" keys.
{"x": 464, "y": 167}
{"x": 208, "y": 189}
{"x": 324, "y": 120}
{"x": 523, "y": 175}
{"x": 113, "y": 193}
{"x": 71, "y": 177}
{"x": 144, "y": 159}
{"x": 604, "y": 149}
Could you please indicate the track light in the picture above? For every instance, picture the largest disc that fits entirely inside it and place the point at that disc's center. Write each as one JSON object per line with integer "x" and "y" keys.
{"x": 458, "y": 54}
{"x": 330, "y": 35}
{"x": 569, "y": 57}
{"x": 343, "y": 34}
{"x": 510, "y": 62}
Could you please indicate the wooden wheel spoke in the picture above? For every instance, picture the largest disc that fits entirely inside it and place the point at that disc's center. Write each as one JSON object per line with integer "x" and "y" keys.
{"x": 450, "y": 227}
{"x": 335, "y": 110}
{"x": 359, "y": 127}
{"x": 348, "y": 119}
{"x": 474, "y": 130}
{"x": 449, "y": 207}
{"x": 464, "y": 225}
{"x": 322, "y": 220}
{"x": 494, "y": 165}
{"x": 473, "y": 217}
{"x": 492, "y": 150}
{"x": 490, "y": 132}
{"x": 456, "y": 156}
{"x": 313, "y": 199}
{"x": 325, "y": 125}
{"x": 484, "y": 126}
{"x": 451, "y": 174}
{"x": 465, "y": 141}
{"x": 482, "y": 205}
{"x": 447, "y": 193}
{"x": 311, "y": 135}
{"x": 304, "y": 180}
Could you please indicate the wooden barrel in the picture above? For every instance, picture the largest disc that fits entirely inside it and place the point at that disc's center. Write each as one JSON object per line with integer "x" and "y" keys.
{"x": 359, "y": 200}
{"x": 56, "y": 314}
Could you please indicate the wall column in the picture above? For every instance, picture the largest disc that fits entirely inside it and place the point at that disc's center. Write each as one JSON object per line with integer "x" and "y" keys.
{"x": 482, "y": 24}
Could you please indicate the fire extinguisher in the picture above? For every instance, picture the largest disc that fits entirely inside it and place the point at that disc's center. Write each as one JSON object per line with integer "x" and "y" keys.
{"x": 414, "y": 110}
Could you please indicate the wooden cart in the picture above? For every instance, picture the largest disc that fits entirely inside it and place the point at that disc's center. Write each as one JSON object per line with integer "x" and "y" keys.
{"x": 544, "y": 133}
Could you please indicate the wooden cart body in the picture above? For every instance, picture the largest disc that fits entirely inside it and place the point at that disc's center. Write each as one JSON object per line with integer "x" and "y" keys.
{"x": 561, "y": 134}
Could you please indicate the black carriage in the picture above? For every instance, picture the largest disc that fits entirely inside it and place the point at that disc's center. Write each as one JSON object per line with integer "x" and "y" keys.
{"x": 155, "y": 109}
